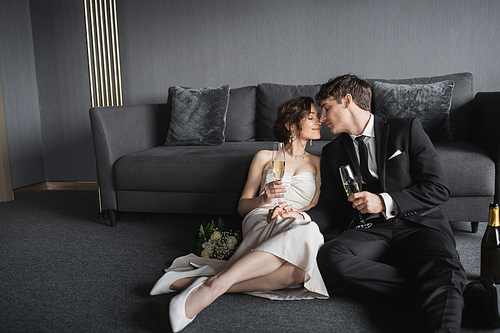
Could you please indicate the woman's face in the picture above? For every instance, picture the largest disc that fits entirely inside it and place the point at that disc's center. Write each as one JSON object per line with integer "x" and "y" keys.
{"x": 311, "y": 126}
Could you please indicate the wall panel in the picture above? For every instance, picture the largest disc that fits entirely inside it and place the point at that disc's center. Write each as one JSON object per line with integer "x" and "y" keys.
{"x": 210, "y": 43}
{"x": 61, "y": 65}
{"x": 20, "y": 94}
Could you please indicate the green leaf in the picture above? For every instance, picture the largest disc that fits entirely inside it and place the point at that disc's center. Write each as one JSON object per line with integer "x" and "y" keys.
{"x": 221, "y": 224}
{"x": 202, "y": 232}
{"x": 210, "y": 228}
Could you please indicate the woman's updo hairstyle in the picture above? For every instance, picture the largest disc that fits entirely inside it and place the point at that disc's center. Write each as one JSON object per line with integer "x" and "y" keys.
{"x": 291, "y": 112}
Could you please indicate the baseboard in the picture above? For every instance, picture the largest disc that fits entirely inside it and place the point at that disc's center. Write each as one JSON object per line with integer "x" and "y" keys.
{"x": 54, "y": 186}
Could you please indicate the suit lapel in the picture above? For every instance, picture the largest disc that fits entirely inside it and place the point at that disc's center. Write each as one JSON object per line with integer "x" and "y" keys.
{"x": 381, "y": 135}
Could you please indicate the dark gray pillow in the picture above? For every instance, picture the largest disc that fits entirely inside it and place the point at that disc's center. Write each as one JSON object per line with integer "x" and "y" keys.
{"x": 198, "y": 116}
{"x": 241, "y": 114}
{"x": 430, "y": 103}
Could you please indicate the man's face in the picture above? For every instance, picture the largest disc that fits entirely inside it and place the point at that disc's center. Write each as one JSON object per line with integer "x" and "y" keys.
{"x": 335, "y": 115}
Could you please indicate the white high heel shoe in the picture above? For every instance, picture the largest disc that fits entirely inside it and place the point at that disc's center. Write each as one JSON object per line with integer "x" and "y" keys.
{"x": 177, "y": 308}
{"x": 162, "y": 286}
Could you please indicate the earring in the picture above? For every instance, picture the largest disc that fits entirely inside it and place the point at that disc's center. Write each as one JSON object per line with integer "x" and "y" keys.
{"x": 310, "y": 142}
{"x": 292, "y": 137}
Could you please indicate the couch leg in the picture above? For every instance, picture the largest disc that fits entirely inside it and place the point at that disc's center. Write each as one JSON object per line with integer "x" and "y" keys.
{"x": 474, "y": 226}
{"x": 142, "y": 216}
{"x": 112, "y": 217}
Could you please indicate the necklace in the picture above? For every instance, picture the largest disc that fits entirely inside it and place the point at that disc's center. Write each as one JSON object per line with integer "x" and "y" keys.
{"x": 295, "y": 156}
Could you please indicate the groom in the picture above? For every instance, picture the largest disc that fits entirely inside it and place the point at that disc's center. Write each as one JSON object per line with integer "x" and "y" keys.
{"x": 410, "y": 242}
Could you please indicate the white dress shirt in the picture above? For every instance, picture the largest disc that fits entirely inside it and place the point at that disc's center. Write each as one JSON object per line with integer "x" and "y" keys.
{"x": 391, "y": 208}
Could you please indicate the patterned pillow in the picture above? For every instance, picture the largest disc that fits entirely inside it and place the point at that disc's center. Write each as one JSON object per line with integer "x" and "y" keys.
{"x": 198, "y": 116}
{"x": 430, "y": 103}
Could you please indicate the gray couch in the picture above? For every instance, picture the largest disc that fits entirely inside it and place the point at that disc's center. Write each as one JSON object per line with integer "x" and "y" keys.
{"x": 137, "y": 173}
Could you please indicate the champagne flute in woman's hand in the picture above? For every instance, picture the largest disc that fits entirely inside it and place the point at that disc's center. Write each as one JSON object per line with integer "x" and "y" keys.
{"x": 278, "y": 160}
{"x": 278, "y": 163}
{"x": 351, "y": 186}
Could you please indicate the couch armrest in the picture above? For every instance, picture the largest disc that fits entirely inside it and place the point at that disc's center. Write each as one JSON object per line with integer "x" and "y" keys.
{"x": 485, "y": 129}
{"x": 118, "y": 131}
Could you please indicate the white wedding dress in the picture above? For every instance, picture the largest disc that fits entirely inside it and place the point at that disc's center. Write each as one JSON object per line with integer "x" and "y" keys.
{"x": 295, "y": 240}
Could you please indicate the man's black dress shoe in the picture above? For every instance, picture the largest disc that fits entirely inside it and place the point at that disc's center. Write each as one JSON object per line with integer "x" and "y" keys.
{"x": 481, "y": 304}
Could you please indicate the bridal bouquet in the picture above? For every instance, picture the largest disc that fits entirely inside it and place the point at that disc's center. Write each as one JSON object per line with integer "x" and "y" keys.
{"x": 216, "y": 243}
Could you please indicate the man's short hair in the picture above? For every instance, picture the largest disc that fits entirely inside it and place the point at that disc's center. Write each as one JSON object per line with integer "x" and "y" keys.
{"x": 346, "y": 84}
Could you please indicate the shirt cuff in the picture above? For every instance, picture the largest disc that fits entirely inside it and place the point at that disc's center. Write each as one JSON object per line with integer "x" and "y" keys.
{"x": 391, "y": 208}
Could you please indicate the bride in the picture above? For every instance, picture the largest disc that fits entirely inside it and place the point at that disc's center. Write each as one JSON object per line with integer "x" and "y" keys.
{"x": 276, "y": 259}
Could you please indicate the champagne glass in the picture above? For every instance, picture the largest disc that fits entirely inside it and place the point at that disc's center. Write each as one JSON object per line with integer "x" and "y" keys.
{"x": 278, "y": 163}
{"x": 278, "y": 160}
{"x": 351, "y": 186}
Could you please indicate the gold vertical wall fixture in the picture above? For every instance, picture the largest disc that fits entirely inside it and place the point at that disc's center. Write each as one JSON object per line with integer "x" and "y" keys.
{"x": 103, "y": 56}
{"x": 103, "y": 52}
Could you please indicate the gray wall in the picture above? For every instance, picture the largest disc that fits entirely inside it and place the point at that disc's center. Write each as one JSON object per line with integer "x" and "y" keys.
{"x": 43, "y": 68}
{"x": 20, "y": 94}
{"x": 63, "y": 86}
{"x": 210, "y": 43}
{"x": 241, "y": 42}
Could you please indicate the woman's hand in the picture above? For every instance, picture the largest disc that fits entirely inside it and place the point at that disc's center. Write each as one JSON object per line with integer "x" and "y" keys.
{"x": 273, "y": 190}
{"x": 284, "y": 210}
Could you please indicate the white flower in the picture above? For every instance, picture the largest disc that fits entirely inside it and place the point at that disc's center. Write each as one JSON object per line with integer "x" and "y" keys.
{"x": 205, "y": 254}
{"x": 208, "y": 246}
{"x": 216, "y": 235}
{"x": 231, "y": 242}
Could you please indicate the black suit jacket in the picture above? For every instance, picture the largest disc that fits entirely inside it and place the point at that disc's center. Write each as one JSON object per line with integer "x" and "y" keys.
{"x": 414, "y": 178}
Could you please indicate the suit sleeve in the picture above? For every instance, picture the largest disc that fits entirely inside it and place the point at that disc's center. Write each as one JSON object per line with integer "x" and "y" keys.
{"x": 428, "y": 187}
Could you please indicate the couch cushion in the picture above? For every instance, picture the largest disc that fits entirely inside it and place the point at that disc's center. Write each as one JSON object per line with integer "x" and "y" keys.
{"x": 460, "y": 102}
{"x": 469, "y": 169}
{"x": 198, "y": 116}
{"x": 269, "y": 98}
{"x": 462, "y": 92}
{"x": 429, "y": 102}
{"x": 241, "y": 119}
{"x": 204, "y": 169}
{"x": 223, "y": 169}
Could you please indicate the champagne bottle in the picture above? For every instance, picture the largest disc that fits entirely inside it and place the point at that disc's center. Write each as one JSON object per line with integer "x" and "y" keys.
{"x": 490, "y": 246}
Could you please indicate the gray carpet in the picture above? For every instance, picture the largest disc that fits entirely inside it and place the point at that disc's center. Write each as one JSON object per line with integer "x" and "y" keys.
{"x": 64, "y": 270}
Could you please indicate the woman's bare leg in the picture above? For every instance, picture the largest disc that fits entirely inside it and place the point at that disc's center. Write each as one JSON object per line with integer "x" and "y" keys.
{"x": 252, "y": 265}
{"x": 183, "y": 283}
{"x": 285, "y": 276}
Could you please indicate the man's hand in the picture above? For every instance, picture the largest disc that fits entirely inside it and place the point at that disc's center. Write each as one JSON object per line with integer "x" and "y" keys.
{"x": 367, "y": 202}
{"x": 284, "y": 210}
{"x": 273, "y": 190}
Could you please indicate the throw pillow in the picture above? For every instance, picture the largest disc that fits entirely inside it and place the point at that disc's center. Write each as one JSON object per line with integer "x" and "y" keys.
{"x": 198, "y": 116}
{"x": 430, "y": 103}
